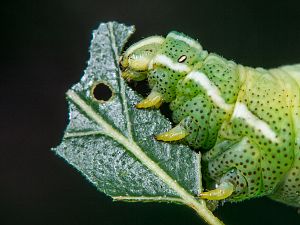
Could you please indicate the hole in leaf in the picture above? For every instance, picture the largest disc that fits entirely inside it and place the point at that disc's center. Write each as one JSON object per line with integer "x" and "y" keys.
{"x": 102, "y": 92}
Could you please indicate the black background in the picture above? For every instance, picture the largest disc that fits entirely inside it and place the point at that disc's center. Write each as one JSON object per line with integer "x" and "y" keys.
{"x": 44, "y": 51}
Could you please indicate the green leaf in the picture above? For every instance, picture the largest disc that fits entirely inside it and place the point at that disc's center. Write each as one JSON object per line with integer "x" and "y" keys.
{"x": 111, "y": 142}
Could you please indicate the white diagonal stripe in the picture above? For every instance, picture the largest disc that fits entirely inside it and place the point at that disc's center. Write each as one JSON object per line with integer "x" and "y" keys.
{"x": 241, "y": 111}
{"x": 168, "y": 62}
{"x": 212, "y": 91}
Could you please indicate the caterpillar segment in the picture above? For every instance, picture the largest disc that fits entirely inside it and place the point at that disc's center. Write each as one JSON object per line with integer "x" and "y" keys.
{"x": 246, "y": 119}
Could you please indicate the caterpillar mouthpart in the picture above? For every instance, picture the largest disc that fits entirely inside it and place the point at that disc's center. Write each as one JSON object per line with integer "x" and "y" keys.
{"x": 133, "y": 75}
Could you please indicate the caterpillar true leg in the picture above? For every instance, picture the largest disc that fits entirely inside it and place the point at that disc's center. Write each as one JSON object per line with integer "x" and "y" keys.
{"x": 153, "y": 100}
{"x": 175, "y": 134}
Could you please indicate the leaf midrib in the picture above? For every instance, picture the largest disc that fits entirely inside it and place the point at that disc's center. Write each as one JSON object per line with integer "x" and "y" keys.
{"x": 120, "y": 80}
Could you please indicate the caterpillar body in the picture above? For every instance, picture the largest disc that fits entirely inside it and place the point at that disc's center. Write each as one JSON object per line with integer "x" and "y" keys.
{"x": 248, "y": 119}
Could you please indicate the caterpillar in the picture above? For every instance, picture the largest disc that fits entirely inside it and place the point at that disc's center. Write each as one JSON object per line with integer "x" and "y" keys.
{"x": 246, "y": 119}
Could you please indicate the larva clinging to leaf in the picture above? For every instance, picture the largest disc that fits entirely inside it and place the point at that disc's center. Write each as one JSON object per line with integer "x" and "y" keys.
{"x": 248, "y": 119}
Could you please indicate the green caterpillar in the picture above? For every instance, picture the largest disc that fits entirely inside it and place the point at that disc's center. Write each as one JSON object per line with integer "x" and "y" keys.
{"x": 247, "y": 118}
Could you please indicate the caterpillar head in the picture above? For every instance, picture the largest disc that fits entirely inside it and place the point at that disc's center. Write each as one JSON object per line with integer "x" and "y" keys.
{"x": 163, "y": 61}
{"x": 136, "y": 59}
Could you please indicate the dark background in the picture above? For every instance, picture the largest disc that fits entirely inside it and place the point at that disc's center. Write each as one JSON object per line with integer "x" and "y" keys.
{"x": 44, "y": 51}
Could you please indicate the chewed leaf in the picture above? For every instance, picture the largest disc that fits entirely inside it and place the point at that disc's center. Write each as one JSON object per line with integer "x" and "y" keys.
{"x": 112, "y": 143}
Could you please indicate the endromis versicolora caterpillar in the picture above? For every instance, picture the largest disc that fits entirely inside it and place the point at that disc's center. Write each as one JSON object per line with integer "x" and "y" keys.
{"x": 247, "y": 119}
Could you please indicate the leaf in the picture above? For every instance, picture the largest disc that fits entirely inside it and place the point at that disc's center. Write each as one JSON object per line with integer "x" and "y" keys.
{"x": 111, "y": 142}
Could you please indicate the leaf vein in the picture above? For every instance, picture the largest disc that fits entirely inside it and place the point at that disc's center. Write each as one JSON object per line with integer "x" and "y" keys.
{"x": 82, "y": 134}
{"x": 147, "y": 198}
{"x": 121, "y": 81}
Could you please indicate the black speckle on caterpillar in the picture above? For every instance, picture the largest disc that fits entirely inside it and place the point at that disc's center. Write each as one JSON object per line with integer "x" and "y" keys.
{"x": 248, "y": 119}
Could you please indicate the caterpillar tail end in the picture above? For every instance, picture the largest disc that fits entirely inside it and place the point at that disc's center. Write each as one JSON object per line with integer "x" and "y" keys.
{"x": 153, "y": 100}
{"x": 224, "y": 190}
{"x": 175, "y": 134}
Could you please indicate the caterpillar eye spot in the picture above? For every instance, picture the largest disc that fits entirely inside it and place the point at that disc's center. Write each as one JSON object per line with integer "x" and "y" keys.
{"x": 101, "y": 92}
{"x": 182, "y": 58}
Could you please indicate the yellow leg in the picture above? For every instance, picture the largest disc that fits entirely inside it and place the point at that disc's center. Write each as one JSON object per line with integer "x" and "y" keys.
{"x": 224, "y": 190}
{"x": 175, "y": 134}
{"x": 153, "y": 100}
